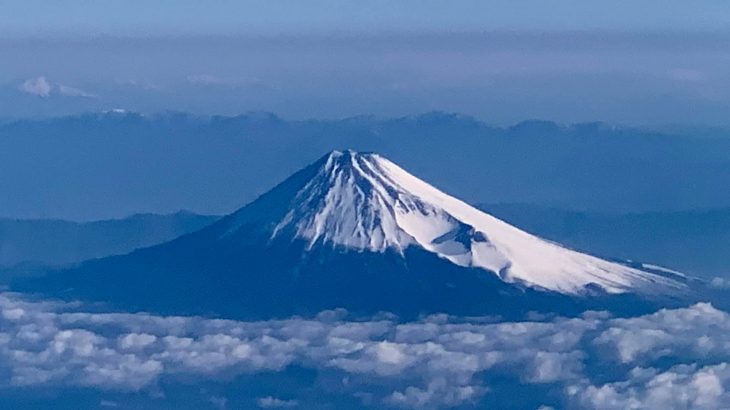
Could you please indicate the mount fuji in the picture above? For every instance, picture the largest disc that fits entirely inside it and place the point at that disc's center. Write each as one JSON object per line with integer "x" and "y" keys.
{"x": 354, "y": 230}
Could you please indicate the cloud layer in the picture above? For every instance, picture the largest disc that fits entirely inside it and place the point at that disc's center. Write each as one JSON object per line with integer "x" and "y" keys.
{"x": 656, "y": 361}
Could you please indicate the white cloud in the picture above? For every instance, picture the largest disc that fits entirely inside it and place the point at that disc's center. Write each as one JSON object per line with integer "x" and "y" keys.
{"x": 135, "y": 341}
{"x": 37, "y": 86}
{"x": 275, "y": 403}
{"x": 695, "y": 332}
{"x": 42, "y": 87}
{"x": 682, "y": 386}
{"x": 438, "y": 393}
{"x": 669, "y": 357}
{"x": 720, "y": 283}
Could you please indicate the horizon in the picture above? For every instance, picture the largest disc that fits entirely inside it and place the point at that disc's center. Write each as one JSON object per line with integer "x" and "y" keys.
{"x": 213, "y": 165}
{"x": 690, "y": 130}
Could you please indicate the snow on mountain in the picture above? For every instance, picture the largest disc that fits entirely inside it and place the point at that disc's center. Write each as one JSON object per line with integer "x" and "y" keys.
{"x": 355, "y": 231}
{"x": 364, "y": 202}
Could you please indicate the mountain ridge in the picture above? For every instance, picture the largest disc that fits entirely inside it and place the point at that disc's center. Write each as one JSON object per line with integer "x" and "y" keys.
{"x": 223, "y": 162}
{"x": 55, "y": 242}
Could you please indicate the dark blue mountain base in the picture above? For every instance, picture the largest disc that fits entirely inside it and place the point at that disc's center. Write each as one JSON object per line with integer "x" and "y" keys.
{"x": 280, "y": 279}
{"x": 251, "y": 265}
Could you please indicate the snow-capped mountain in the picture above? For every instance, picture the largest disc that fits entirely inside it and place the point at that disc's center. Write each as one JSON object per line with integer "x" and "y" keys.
{"x": 355, "y": 230}
{"x": 364, "y": 202}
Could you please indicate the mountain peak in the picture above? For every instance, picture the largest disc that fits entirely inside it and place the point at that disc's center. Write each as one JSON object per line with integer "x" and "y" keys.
{"x": 363, "y": 202}
{"x": 356, "y": 231}
{"x": 347, "y": 157}
{"x": 349, "y": 202}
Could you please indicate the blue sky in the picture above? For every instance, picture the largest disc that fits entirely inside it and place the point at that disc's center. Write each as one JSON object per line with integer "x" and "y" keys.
{"x": 626, "y": 62}
{"x": 129, "y": 17}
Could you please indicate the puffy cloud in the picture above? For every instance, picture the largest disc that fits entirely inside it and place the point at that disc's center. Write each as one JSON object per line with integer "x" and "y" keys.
{"x": 659, "y": 360}
{"x": 682, "y": 386}
{"x": 438, "y": 393}
{"x": 37, "y": 86}
{"x": 694, "y": 332}
{"x": 42, "y": 87}
{"x": 720, "y": 283}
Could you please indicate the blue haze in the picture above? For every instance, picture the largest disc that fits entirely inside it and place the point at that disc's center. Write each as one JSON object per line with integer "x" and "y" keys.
{"x": 503, "y": 77}
{"x": 112, "y": 165}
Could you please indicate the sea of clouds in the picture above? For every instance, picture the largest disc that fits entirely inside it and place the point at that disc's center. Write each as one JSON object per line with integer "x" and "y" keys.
{"x": 674, "y": 358}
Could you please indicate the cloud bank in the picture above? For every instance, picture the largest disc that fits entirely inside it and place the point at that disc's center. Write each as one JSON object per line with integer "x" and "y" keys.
{"x": 670, "y": 358}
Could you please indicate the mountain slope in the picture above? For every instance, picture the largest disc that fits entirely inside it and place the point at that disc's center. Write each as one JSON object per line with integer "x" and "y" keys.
{"x": 691, "y": 241}
{"x": 356, "y": 231}
{"x": 365, "y": 202}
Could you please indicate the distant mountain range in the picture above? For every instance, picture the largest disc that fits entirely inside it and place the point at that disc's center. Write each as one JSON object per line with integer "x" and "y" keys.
{"x": 56, "y": 242}
{"x": 357, "y": 231}
{"x": 91, "y": 166}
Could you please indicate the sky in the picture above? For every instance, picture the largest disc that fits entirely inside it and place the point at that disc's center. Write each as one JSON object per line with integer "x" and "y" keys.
{"x": 636, "y": 63}
{"x": 190, "y": 17}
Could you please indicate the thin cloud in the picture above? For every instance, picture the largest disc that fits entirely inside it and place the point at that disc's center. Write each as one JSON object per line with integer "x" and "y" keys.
{"x": 275, "y": 403}
{"x": 213, "y": 80}
{"x": 72, "y": 91}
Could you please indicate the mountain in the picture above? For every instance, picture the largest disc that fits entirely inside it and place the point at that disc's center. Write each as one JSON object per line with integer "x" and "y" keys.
{"x": 356, "y": 231}
{"x": 55, "y": 242}
{"x": 90, "y": 166}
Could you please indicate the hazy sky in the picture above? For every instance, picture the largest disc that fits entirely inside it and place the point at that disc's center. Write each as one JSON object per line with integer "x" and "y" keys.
{"x": 35, "y": 17}
{"x": 648, "y": 62}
